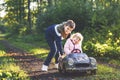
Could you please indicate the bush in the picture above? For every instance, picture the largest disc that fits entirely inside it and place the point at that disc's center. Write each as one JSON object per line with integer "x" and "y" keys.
{"x": 63, "y": 10}
{"x": 104, "y": 42}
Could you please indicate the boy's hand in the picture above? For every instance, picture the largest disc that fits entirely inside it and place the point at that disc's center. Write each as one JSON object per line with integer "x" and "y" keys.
{"x": 63, "y": 55}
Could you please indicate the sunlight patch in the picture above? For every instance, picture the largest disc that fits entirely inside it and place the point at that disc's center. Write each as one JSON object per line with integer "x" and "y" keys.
{"x": 39, "y": 51}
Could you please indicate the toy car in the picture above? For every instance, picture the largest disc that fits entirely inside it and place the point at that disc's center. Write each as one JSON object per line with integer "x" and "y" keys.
{"x": 77, "y": 62}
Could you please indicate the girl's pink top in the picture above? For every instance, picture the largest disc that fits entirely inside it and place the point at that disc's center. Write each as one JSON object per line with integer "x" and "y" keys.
{"x": 69, "y": 46}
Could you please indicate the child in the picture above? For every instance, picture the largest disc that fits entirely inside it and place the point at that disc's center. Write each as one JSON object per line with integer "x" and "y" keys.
{"x": 73, "y": 44}
{"x": 54, "y": 35}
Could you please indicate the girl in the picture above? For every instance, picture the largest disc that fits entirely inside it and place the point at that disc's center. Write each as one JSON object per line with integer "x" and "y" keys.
{"x": 73, "y": 44}
{"x": 54, "y": 35}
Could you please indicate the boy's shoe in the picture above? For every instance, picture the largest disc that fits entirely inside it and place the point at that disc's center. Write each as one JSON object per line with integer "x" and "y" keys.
{"x": 56, "y": 66}
{"x": 44, "y": 68}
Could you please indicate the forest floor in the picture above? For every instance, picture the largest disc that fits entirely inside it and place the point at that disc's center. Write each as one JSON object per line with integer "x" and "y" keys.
{"x": 32, "y": 65}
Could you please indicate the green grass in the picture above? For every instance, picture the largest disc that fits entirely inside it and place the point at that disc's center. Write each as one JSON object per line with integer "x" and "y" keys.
{"x": 36, "y": 48}
{"x": 104, "y": 73}
{"x": 107, "y": 73}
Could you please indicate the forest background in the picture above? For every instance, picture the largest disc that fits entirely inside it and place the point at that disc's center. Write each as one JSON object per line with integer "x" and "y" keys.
{"x": 97, "y": 20}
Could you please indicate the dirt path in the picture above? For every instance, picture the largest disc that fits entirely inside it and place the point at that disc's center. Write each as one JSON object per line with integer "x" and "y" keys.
{"x": 32, "y": 65}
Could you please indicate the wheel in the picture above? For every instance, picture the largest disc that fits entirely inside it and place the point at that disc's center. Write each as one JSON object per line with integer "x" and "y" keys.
{"x": 63, "y": 69}
{"x": 59, "y": 68}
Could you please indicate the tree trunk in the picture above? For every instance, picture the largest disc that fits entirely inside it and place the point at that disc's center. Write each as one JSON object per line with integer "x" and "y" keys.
{"x": 49, "y": 3}
{"x": 29, "y": 18}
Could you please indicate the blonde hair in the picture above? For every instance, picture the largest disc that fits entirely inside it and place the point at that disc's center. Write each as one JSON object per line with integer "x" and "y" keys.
{"x": 69, "y": 23}
{"x": 78, "y": 35}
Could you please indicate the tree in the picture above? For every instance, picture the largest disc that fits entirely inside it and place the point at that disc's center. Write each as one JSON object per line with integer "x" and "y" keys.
{"x": 29, "y": 17}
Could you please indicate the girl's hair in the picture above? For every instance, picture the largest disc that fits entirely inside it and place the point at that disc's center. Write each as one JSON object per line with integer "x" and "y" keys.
{"x": 78, "y": 35}
{"x": 69, "y": 23}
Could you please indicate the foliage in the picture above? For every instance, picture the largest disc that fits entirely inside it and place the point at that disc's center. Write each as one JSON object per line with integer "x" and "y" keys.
{"x": 18, "y": 29}
{"x": 20, "y": 19}
{"x": 2, "y": 29}
{"x": 103, "y": 42}
{"x": 64, "y": 10}
{"x": 86, "y": 14}
{"x": 9, "y": 70}
{"x": 12, "y": 72}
